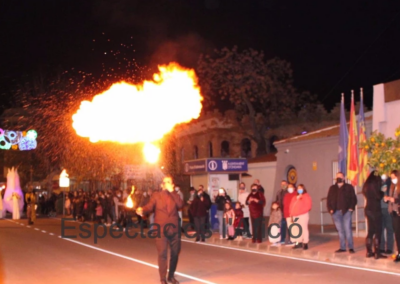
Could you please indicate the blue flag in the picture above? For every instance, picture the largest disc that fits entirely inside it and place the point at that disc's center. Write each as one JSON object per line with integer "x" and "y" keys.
{"x": 343, "y": 140}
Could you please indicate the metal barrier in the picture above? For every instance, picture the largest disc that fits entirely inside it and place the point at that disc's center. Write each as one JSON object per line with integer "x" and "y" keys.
{"x": 357, "y": 221}
{"x": 322, "y": 214}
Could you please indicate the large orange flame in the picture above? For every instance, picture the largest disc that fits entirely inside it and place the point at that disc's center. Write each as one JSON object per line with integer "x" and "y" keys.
{"x": 141, "y": 113}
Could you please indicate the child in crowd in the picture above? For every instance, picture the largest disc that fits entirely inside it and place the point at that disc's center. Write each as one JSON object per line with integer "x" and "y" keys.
{"x": 238, "y": 224}
{"x": 229, "y": 217}
{"x": 99, "y": 212}
{"x": 274, "y": 220}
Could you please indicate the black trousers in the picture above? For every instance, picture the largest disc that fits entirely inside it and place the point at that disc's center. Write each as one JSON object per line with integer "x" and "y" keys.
{"x": 191, "y": 220}
{"x": 162, "y": 244}
{"x": 387, "y": 224}
{"x": 246, "y": 226}
{"x": 257, "y": 224}
{"x": 199, "y": 225}
{"x": 396, "y": 228}
{"x": 374, "y": 221}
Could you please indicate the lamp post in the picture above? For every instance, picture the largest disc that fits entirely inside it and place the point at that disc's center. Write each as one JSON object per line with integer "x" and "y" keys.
{"x": 64, "y": 183}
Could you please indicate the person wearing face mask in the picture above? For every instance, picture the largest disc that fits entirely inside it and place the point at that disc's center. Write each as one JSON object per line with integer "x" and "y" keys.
{"x": 373, "y": 212}
{"x": 279, "y": 199}
{"x": 199, "y": 207}
{"x": 300, "y": 206}
{"x": 117, "y": 200}
{"x": 256, "y": 202}
{"x": 291, "y": 192}
{"x": 394, "y": 203}
{"x": 341, "y": 203}
{"x": 243, "y": 194}
{"x": 274, "y": 218}
{"x": 387, "y": 225}
{"x": 220, "y": 200}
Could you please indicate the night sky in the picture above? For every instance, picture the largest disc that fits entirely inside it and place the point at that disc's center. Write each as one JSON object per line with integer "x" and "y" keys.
{"x": 334, "y": 46}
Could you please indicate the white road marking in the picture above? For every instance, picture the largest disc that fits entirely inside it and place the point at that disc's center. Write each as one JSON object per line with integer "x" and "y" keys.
{"x": 21, "y": 224}
{"x": 37, "y": 229}
{"x": 254, "y": 252}
{"x": 138, "y": 261}
{"x": 300, "y": 259}
{"x": 43, "y": 231}
{"x": 51, "y": 234}
{"x": 28, "y": 226}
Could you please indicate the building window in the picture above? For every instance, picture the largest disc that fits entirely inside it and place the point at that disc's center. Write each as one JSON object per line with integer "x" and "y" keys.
{"x": 246, "y": 148}
{"x": 195, "y": 152}
{"x": 225, "y": 149}
{"x": 210, "y": 149}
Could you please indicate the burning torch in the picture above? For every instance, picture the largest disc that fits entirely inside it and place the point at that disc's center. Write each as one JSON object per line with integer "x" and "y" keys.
{"x": 129, "y": 201}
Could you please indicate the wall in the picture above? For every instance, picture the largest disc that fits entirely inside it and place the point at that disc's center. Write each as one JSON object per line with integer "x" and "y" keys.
{"x": 222, "y": 180}
{"x": 266, "y": 173}
{"x": 386, "y": 116}
{"x": 301, "y": 155}
{"x": 196, "y": 180}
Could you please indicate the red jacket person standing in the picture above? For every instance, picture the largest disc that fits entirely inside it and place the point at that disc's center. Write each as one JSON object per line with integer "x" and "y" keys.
{"x": 166, "y": 205}
{"x": 256, "y": 202}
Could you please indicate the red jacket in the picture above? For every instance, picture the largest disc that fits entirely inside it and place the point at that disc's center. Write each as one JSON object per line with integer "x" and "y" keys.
{"x": 238, "y": 218}
{"x": 300, "y": 204}
{"x": 286, "y": 203}
{"x": 256, "y": 208}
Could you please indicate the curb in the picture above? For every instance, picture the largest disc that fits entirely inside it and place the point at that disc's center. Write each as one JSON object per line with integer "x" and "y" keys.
{"x": 386, "y": 265}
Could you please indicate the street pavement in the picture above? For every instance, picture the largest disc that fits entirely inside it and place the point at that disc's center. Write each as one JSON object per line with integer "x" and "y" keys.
{"x": 38, "y": 254}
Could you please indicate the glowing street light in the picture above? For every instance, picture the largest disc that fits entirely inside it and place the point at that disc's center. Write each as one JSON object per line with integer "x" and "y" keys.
{"x": 64, "y": 182}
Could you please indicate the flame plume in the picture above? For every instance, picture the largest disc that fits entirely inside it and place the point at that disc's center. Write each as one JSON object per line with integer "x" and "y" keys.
{"x": 142, "y": 113}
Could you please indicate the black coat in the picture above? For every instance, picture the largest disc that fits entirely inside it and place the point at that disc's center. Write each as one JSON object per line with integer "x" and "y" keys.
{"x": 199, "y": 208}
{"x": 220, "y": 200}
{"x": 373, "y": 193}
{"x": 347, "y": 198}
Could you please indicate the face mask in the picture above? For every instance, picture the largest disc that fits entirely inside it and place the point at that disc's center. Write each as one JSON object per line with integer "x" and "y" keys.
{"x": 383, "y": 177}
{"x": 339, "y": 180}
{"x": 254, "y": 190}
{"x": 394, "y": 181}
{"x": 119, "y": 195}
{"x": 145, "y": 194}
{"x": 300, "y": 191}
{"x": 290, "y": 190}
{"x": 176, "y": 188}
{"x": 242, "y": 188}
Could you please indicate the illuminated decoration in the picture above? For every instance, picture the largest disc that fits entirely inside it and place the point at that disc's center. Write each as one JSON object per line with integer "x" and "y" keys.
{"x": 141, "y": 113}
{"x": 13, "y": 186}
{"x": 64, "y": 179}
{"x": 15, "y": 140}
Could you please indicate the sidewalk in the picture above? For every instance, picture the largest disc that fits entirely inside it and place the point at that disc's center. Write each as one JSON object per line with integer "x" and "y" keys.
{"x": 322, "y": 248}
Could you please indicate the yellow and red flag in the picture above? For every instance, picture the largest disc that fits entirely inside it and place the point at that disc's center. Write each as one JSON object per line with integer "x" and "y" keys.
{"x": 363, "y": 153}
{"x": 352, "y": 148}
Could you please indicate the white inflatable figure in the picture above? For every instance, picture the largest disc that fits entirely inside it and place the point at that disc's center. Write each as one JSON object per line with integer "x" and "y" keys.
{"x": 13, "y": 197}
